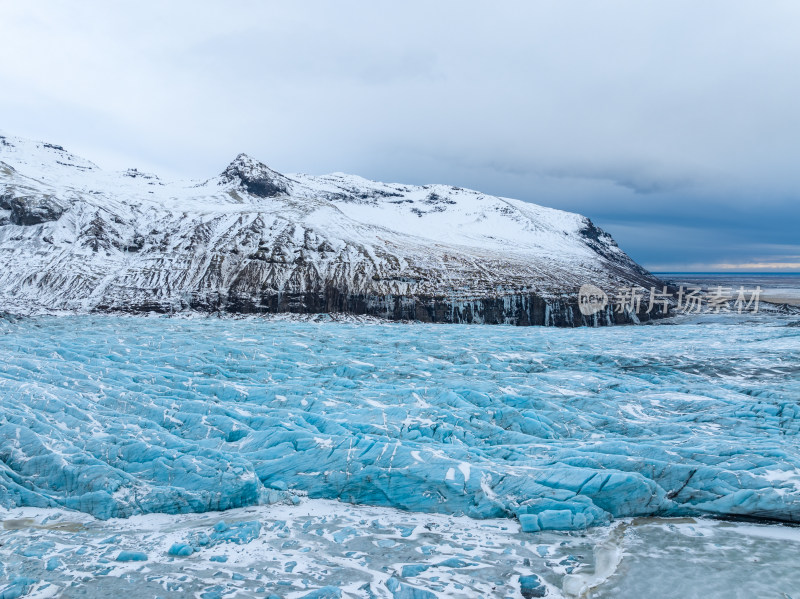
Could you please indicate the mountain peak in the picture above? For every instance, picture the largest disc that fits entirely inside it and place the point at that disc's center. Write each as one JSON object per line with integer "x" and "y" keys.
{"x": 255, "y": 176}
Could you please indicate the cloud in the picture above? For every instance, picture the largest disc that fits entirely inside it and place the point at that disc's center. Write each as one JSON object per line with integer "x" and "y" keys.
{"x": 640, "y": 114}
{"x": 754, "y": 266}
{"x": 641, "y": 179}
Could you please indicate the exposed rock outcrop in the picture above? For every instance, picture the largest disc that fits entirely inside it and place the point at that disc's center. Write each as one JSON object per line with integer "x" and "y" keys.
{"x": 33, "y": 210}
{"x": 254, "y": 177}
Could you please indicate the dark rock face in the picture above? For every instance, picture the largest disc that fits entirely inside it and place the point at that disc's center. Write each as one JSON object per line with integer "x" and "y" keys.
{"x": 33, "y": 210}
{"x": 601, "y": 242}
{"x": 136, "y": 243}
{"x": 255, "y": 177}
{"x": 526, "y": 309}
{"x": 5, "y": 206}
{"x": 5, "y": 201}
{"x": 263, "y": 188}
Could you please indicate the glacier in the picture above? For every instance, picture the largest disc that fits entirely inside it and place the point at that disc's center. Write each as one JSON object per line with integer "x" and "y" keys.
{"x": 558, "y": 429}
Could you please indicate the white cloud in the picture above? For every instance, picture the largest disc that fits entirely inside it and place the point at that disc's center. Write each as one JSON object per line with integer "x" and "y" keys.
{"x": 610, "y": 108}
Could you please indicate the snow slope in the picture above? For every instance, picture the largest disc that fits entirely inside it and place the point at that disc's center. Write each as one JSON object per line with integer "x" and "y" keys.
{"x": 74, "y": 237}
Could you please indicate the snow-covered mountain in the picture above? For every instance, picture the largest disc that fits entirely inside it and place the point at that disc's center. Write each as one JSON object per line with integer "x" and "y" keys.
{"x": 74, "y": 237}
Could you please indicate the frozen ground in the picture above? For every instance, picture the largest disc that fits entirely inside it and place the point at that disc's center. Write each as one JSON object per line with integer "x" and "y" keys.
{"x": 323, "y": 548}
{"x": 527, "y": 431}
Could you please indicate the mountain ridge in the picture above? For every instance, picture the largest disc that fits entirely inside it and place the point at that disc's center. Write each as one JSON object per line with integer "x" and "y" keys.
{"x": 77, "y": 238}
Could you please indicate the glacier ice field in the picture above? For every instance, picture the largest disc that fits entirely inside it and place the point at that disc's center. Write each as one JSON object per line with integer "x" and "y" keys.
{"x": 546, "y": 430}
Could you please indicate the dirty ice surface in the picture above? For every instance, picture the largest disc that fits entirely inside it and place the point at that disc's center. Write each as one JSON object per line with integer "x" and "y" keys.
{"x": 322, "y": 548}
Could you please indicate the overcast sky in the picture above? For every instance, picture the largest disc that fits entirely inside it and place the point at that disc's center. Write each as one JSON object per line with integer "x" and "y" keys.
{"x": 674, "y": 125}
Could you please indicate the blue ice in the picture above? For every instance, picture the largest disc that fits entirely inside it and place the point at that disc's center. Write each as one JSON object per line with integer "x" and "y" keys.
{"x": 561, "y": 429}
